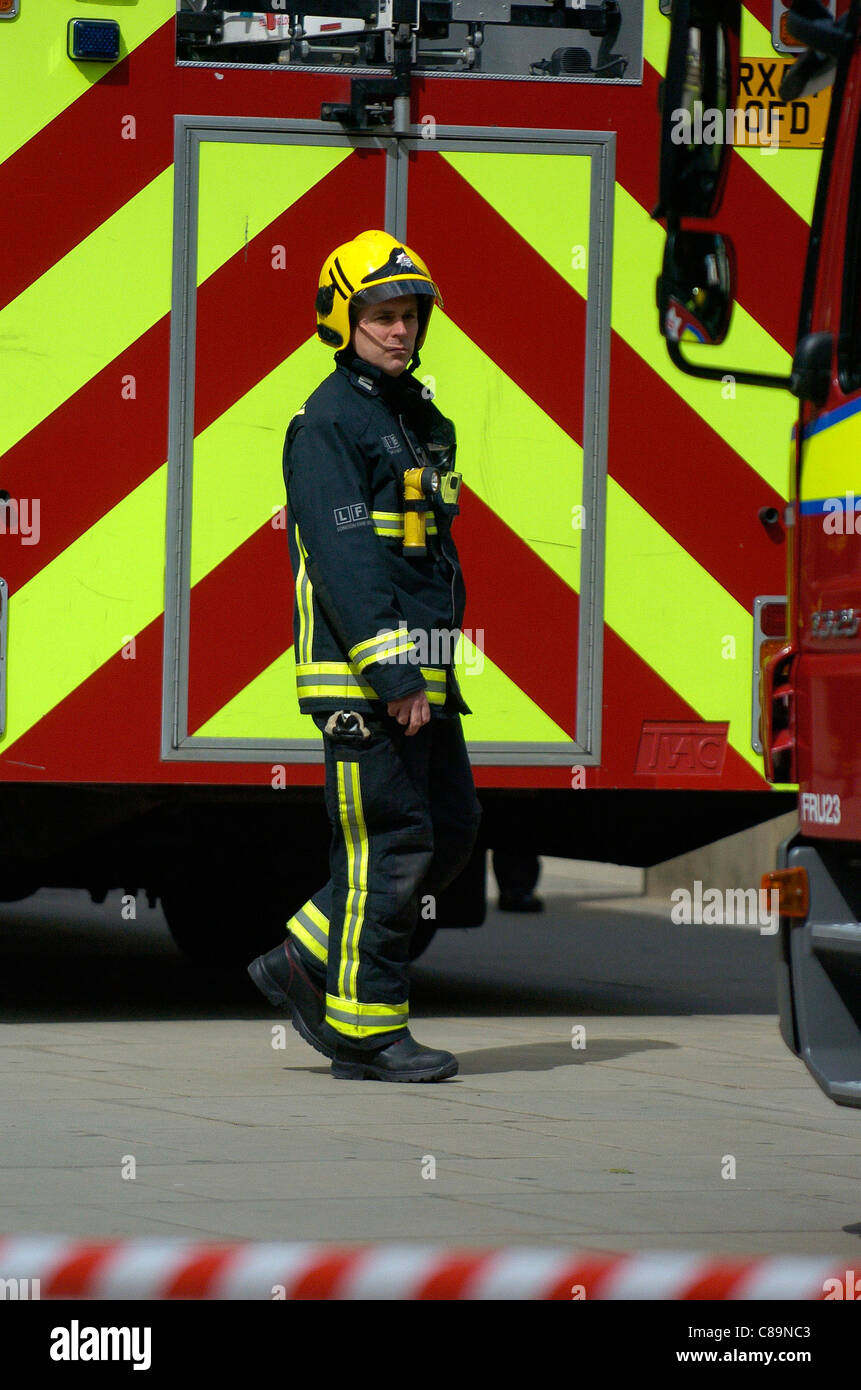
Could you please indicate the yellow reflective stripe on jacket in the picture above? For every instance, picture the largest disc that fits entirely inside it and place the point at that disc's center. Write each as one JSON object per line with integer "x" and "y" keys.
{"x": 315, "y": 679}
{"x": 304, "y": 603}
{"x": 392, "y": 524}
{"x": 386, "y": 646}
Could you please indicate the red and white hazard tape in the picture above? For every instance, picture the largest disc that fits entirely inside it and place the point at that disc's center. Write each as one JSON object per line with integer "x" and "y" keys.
{"x": 166, "y": 1269}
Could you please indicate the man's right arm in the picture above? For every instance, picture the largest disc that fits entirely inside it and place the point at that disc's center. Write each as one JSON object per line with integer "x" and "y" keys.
{"x": 329, "y": 499}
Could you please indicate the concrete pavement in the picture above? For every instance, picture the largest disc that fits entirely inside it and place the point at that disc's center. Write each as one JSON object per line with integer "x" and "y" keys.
{"x": 136, "y": 1099}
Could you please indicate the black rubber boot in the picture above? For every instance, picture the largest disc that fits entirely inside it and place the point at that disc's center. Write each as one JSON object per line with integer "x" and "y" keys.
{"x": 401, "y": 1060}
{"x": 282, "y": 976}
{"x": 520, "y": 902}
{"x": 517, "y": 872}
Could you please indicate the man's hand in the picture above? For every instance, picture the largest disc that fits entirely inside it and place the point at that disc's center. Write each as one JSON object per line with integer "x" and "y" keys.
{"x": 413, "y": 711}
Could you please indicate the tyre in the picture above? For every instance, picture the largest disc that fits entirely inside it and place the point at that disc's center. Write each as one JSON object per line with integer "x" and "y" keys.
{"x": 224, "y": 926}
{"x": 422, "y": 938}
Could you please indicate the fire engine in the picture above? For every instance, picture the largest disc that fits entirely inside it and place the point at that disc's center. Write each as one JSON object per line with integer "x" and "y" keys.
{"x": 810, "y": 661}
{"x": 172, "y": 178}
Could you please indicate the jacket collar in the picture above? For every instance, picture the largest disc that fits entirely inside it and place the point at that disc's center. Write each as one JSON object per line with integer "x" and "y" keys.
{"x": 397, "y": 391}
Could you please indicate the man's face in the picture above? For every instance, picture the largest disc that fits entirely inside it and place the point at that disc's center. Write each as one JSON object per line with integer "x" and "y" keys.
{"x": 385, "y": 334}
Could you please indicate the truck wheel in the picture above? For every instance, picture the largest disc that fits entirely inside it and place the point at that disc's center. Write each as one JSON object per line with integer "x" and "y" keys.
{"x": 422, "y": 938}
{"x": 222, "y": 927}
{"x": 464, "y": 902}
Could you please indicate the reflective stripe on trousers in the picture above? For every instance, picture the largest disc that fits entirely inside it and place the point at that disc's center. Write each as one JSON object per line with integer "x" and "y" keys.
{"x": 404, "y": 818}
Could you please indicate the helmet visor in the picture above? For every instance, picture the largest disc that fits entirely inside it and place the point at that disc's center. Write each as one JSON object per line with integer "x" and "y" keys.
{"x": 394, "y": 289}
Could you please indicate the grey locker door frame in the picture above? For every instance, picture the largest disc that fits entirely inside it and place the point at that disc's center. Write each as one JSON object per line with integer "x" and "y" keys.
{"x": 600, "y": 148}
{"x": 190, "y": 133}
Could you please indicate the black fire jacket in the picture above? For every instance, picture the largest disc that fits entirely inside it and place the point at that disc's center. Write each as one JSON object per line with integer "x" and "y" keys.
{"x": 370, "y": 624}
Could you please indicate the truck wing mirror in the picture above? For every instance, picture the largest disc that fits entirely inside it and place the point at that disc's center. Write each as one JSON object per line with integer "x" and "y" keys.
{"x": 695, "y": 290}
{"x": 695, "y": 287}
{"x": 701, "y": 82}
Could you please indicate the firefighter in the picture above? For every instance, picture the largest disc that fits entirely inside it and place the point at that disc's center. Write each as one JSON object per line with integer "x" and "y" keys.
{"x": 371, "y": 493}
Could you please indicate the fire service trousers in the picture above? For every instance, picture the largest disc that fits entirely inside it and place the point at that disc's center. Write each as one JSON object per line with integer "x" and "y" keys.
{"x": 404, "y": 817}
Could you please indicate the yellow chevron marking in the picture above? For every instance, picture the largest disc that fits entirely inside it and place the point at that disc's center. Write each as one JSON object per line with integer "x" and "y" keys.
{"x": 517, "y": 187}
{"x": 523, "y": 466}
{"x": 791, "y": 174}
{"x": 115, "y": 284}
{"x": 81, "y": 609}
{"x": 266, "y": 707}
{"x": 243, "y": 187}
{"x": 659, "y": 600}
{"x": 753, "y": 421}
{"x": 38, "y": 78}
{"x": 111, "y": 551}
{"x": 662, "y": 603}
{"x": 81, "y": 313}
{"x": 231, "y": 448}
{"x": 665, "y": 605}
{"x": 108, "y": 584}
{"x": 238, "y": 482}
{"x": 501, "y": 711}
{"x": 677, "y": 617}
{"x": 521, "y": 187}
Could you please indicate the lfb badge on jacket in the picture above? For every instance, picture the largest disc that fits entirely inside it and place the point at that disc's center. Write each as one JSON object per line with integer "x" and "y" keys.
{"x": 392, "y": 444}
{"x": 354, "y": 515}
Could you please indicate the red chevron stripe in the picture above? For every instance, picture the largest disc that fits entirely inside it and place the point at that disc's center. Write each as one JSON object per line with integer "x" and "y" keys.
{"x": 689, "y": 479}
{"x": 507, "y": 583}
{"x": 530, "y": 617}
{"x": 631, "y": 690}
{"x": 78, "y": 169}
{"x": 768, "y": 286}
{"x": 90, "y": 452}
{"x": 241, "y": 313}
{"x": 80, "y": 163}
{"x": 761, "y": 10}
{"x": 107, "y": 729}
{"x": 97, "y": 447}
{"x": 650, "y": 451}
{"x": 97, "y": 413}
{"x": 255, "y": 580}
{"x": 247, "y": 599}
{"x": 238, "y": 349}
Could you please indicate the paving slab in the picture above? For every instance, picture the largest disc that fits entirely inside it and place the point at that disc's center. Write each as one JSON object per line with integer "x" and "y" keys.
{"x": 622, "y": 1143}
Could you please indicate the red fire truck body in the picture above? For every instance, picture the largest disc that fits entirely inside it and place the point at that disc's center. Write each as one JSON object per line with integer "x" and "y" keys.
{"x": 166, "y": 214}
{"x": 811, "y": 672}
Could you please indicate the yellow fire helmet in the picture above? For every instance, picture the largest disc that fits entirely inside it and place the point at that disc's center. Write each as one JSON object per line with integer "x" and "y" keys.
{"x": 370, "y": 268}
